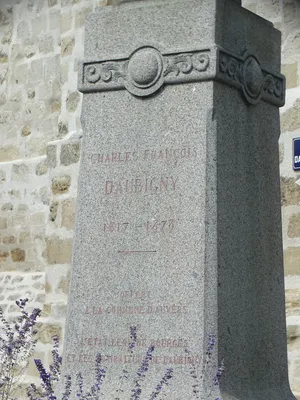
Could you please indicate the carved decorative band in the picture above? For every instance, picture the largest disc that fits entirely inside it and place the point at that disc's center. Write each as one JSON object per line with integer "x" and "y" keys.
{"x": 246, "y": 73}
{"x": 147, "y": 70}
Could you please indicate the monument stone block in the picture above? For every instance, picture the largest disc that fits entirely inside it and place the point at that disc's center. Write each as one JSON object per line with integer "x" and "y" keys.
{"x": 178, "y": 219}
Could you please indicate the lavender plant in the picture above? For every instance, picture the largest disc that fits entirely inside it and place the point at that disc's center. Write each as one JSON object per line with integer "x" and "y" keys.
{"x": 205, "y": 366}
{"x": 17, "y": 343}
{"x": 49, "y": 379}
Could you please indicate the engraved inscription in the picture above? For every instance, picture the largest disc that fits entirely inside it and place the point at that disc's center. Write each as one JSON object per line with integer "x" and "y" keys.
{"x": 144, "y": 185}
{"x": 147, "y": 155}
{"x": 134, "y": 359}
{"x": 173, "y": 309}
{"x": 153, "y": 226}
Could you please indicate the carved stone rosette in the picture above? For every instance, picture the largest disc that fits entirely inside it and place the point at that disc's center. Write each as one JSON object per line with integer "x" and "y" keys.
{"x": 246, "y": 73}
{"x": 146, "y": 70}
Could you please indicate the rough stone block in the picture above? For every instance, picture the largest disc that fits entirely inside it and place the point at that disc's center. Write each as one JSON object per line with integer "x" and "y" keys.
{"x": 3, "y": 57}
{"x": 81, "y": 15}
{"x": 61, "y": 184}
{"x": 36, "y": 71}
{"x": 291, "y": 73}
{"x": 65, "y": 22}
{"x": 38, "y": 219}
{"x": 3, "y": 255}
{"x": 72, "y": 101}
{"x": 18, "y": 255}
{"x": 291, "y": 261}
{"x": 2, "y": 176}
{"x": 67, "y": 45}
{"x": 41, "y": 169}
{"x": 68, "y": 213}
{"x": 26, "y": 130}
{"x": 53, "y": 211}
{"x": 294, "y": 227}
{"x": 290, "y": 191}
{"x": 20, "y": 172}
{"x": 289, "y": 10}
{"x": 36, "y": 146}
{"x": 58, "y": 251}
{"x": 63, "y": 285}
{"x": 62, "y": 129}
{"x": 23, "y": 30}
{"x": 290, "y": 120}
{"x": 281, "y": 152}
{"x": 11, "y": 239}
{"x": 54, "y": 19}
{"x": 47, "y": 331}
{"x": 70, "y": 153}
{"x": 46, "y": 44}
{"x": 51, "y": 156}
{"x": 21, "y": 74}
{"x": 9, "y": 153}
{"x": 3, "y": 223}
{"x": 7, "y": 207}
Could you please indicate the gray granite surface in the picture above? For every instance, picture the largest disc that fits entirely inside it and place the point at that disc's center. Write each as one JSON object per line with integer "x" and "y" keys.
{"x": 178, "y": 229}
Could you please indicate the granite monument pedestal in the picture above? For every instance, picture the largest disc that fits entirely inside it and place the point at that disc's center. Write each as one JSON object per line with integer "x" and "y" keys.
{"x": 178, "y": 228}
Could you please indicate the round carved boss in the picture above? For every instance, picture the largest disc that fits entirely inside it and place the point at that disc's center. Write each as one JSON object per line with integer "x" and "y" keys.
{"x": 253, "y": 80}
{"x": 144, "y": 72}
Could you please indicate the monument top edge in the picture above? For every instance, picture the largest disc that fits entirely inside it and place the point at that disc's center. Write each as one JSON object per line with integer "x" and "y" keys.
{"x": 134, "y": 3}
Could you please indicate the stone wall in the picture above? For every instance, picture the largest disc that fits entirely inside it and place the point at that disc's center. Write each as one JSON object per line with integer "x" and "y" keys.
{"x": 41, "y": 42}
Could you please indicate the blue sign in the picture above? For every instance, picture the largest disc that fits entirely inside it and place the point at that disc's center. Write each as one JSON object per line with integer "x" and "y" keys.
{"x": 296, "y": 154}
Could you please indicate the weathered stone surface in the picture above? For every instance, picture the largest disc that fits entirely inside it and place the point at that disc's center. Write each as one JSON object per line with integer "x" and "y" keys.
{"x": 68, "y": 213}
{"x": 291, "y": 261}
{"x": 65, "y": 22}
{"x": 41, "y": 169}
{"x": 290, "y": 191}
{"x": 26, "y": 131}
{"x": 67, "y": 45}
{"x": 9, "y": 153}
{"x": 72, "y": 101}
{"x": 51, "y": 156}
{"x": 294, "y": 226}
{"x": 292, "y": 301}
{"x": 59, "y": 251}
{"x": 291, "y": 73}
{"x": 281, "y": 152}
{"x": 81, "y": 15}
{"x": 3, "y": 223}
{"x": 290, "y": 120}
{"x": 53, "y": 211}
{"x": 9, "y": 239}
{"x": 47, "y": 331}
{"x": 7, "y": 207}
{"x": 61, "y": 184}
{"x": 63, "y": 286}
{"x": 20, "y": 172}
{"x": 3, "y": 255}
{"x": 62, "y": 129}
{"x": 46, "y": 44}
{"x": 18, "y": 255}
{"x": 70, "y": 153}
